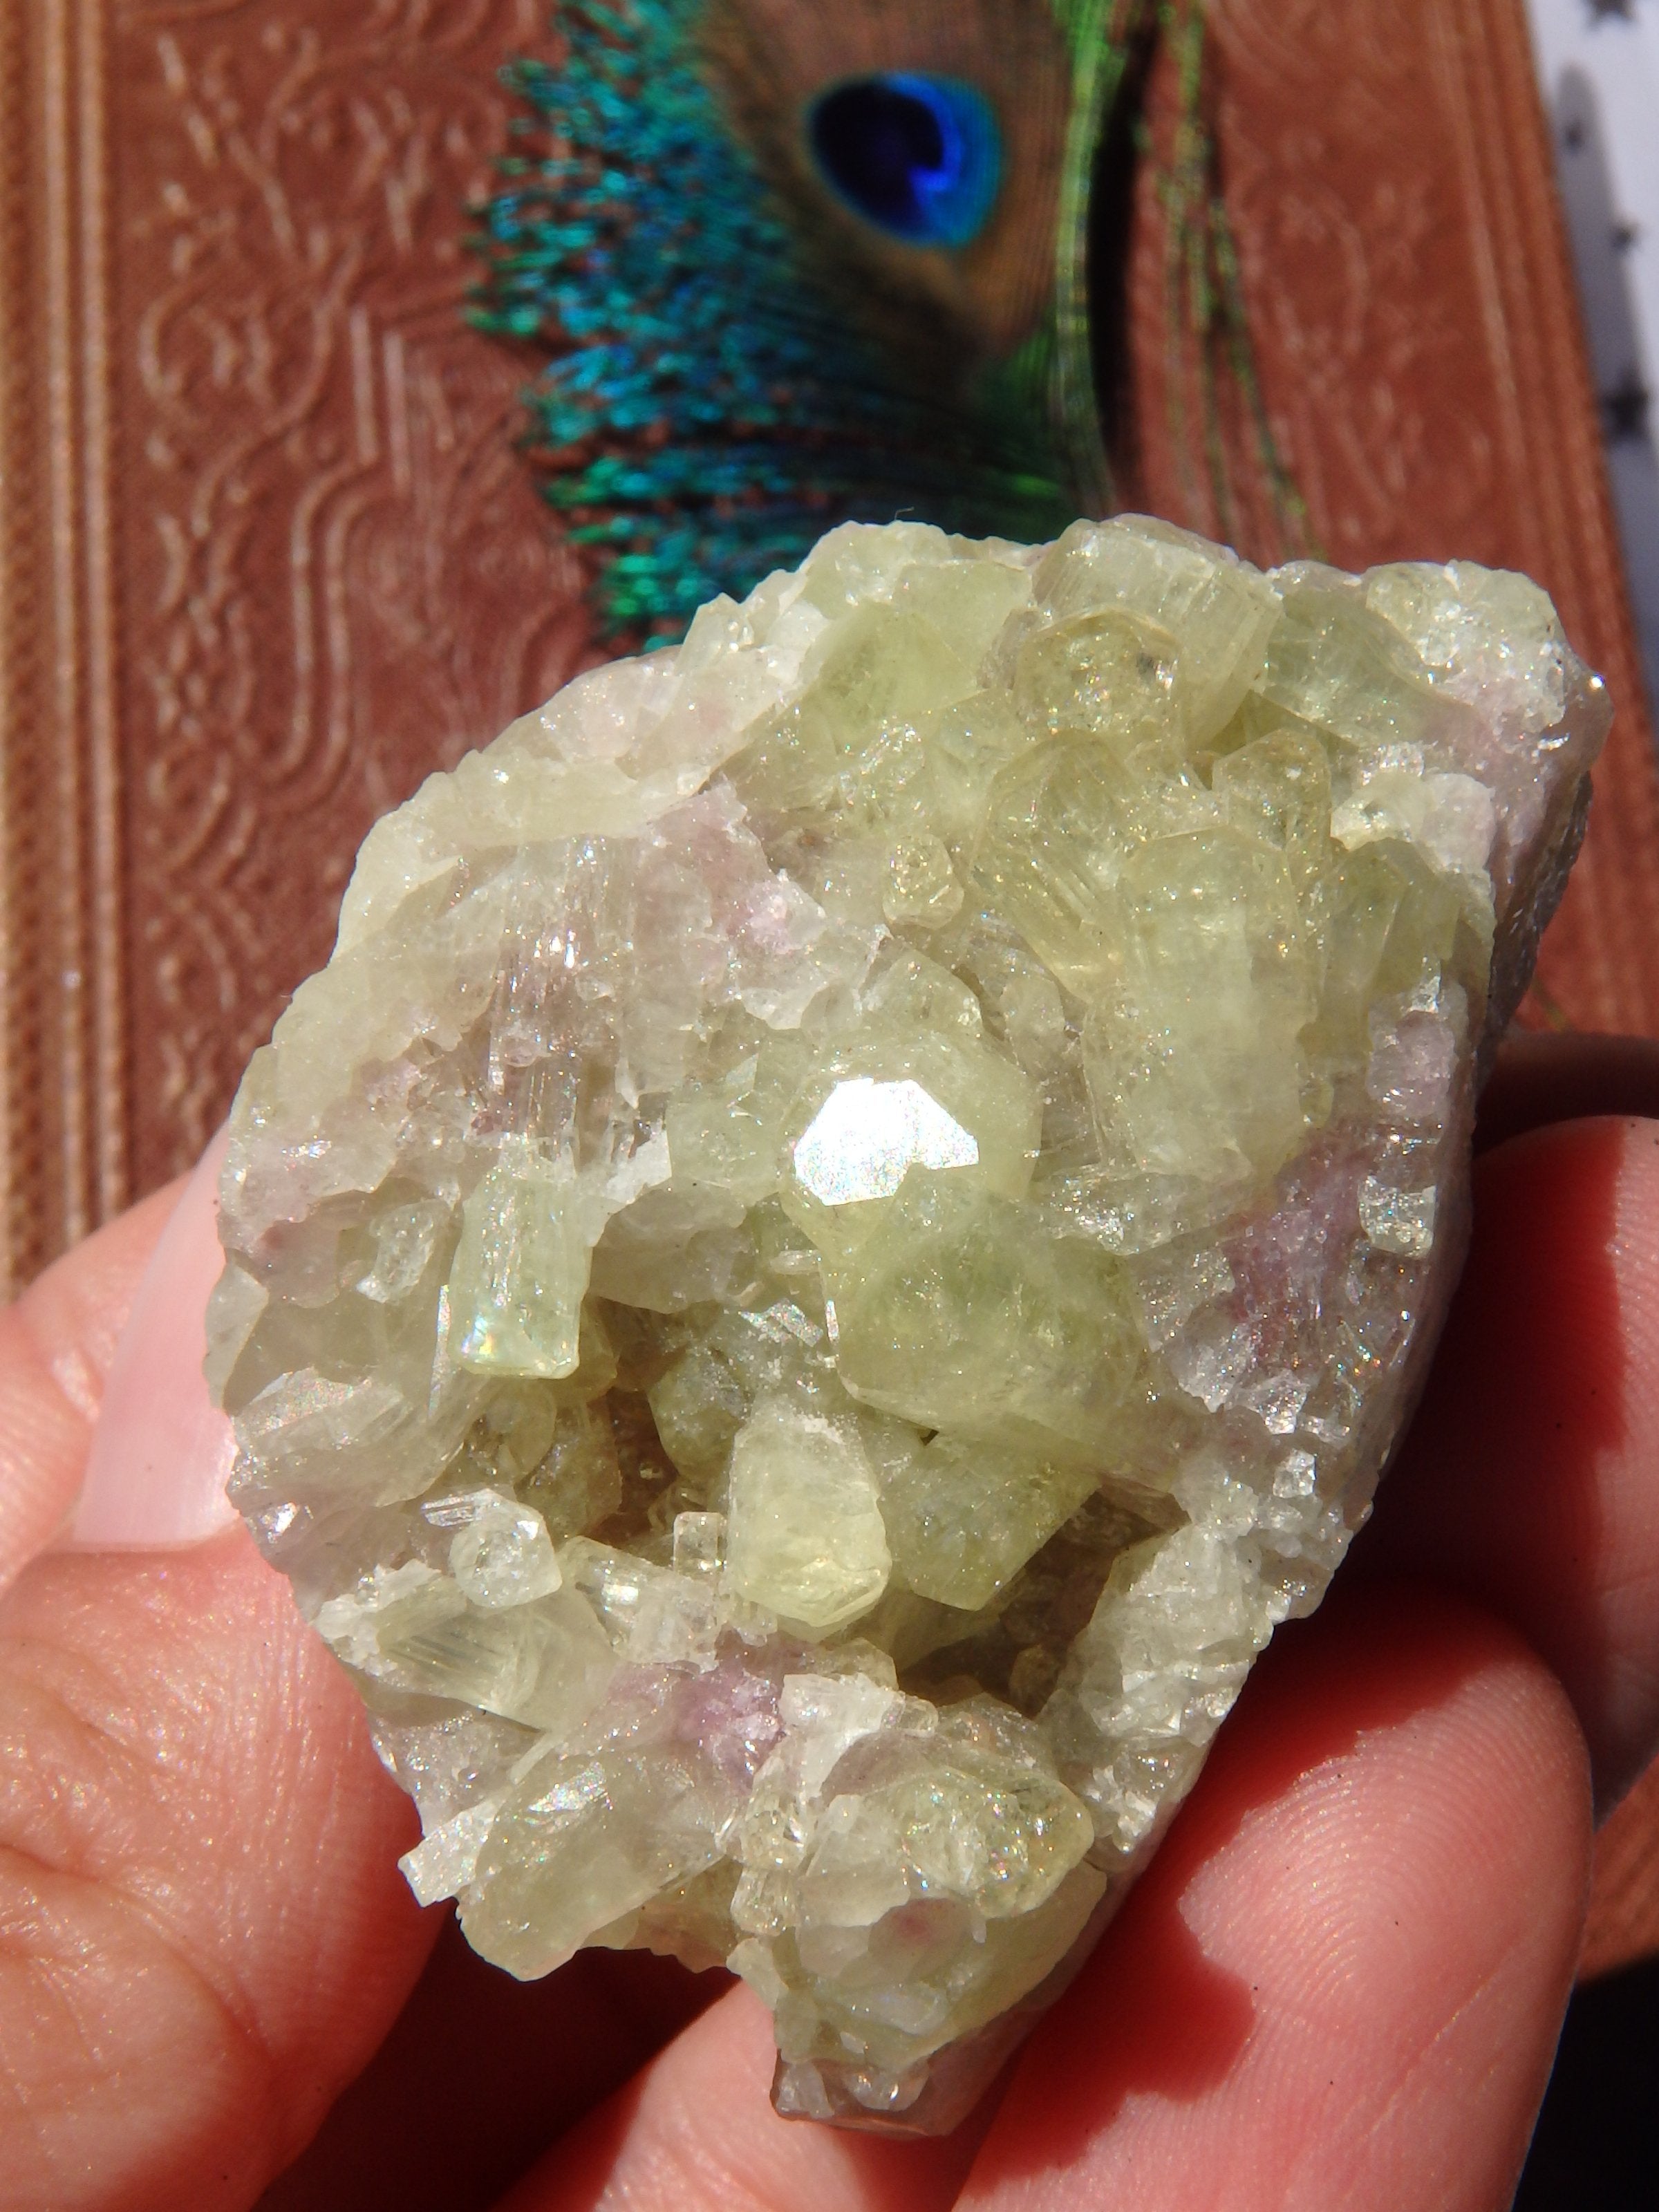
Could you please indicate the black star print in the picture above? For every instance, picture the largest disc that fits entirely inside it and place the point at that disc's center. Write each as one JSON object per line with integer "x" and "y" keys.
{"x": 1625, "y": 410}
{"x": 1573, "y": 136}
{"x": 1600, "y": 9}
{"x": 1625, "y": 235}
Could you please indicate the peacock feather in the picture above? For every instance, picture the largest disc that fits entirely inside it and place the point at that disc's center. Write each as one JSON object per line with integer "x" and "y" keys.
{"x": 795, "y": 264}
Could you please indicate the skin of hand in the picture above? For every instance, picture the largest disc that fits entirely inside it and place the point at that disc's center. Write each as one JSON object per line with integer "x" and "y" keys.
{"x": 1339, "y": 1983}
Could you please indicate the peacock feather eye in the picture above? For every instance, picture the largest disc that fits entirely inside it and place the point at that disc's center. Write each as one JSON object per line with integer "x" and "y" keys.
{"x": 919, "y": 156}
{"x": 734, "y": 228}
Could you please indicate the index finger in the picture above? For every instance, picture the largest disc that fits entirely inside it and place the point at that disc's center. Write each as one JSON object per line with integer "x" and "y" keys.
{"x": 57, "y": 1343}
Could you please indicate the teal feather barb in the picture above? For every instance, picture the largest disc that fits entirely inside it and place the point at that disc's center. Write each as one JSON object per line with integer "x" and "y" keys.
{"x": 794, "y": 266}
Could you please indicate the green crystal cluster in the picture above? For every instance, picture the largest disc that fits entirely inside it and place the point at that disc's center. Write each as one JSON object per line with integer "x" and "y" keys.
{"x": 851, "y": 1223}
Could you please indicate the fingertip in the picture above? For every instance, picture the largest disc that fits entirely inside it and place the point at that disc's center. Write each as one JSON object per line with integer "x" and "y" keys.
{"x": 1341, "y": 1980}
{"x": 190, "y": 1774}
{"x": 161, "y": 1451}
{"x": 695, "y": 2129}
{"x": 57, "y": 1343}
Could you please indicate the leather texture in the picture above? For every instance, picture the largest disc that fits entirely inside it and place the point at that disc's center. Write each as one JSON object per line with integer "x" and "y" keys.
{"x": 269, "y": 555}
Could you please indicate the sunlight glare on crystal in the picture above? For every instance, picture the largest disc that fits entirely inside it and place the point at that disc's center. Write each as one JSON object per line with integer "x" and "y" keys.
{"x": 867, "y": 1136}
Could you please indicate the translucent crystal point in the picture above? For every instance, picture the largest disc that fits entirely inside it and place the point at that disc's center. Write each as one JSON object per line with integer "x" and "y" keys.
{"x": 851, "y": 1225}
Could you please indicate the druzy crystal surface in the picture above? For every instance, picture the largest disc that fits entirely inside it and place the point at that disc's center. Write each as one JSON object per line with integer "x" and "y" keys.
{"x": 851, "y": 1223}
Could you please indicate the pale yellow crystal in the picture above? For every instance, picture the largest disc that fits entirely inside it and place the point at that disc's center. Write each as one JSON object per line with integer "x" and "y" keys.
{"x": 1218, "y": 612}
{"x": 804, "y": 1535}
{"x": 1193, "y": 1051}
{"x": 850, "y": 1225}
{"x": 577, "y": 1845}
{"x": 963, "y": 1517}
{"x": 502, "y": 1553}
{"x": 520, "y": 1274}
{"x": 921, "y": 888}
{"x": 544, "y": 1662}
{"x": 960, "y": 1312}
{"x": 1111, "y": 675}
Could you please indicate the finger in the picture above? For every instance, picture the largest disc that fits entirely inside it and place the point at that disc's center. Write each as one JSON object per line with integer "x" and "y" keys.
{"x": 56, "y": 1345}
{"x": 202, "y": 1931}
{"x": 1538, "y": 1078}
{"x": 105, "y": 1361}
{"x": 1342, "y": 1976}
{"x": 482, "y": 2073}
{"x": 1340, "y": 1981}
{"x": 694, "y": 2131}
{"x": 1530, "y": 1479}
{"x": 1598, "y": 1183}
{"x": 650, "y": 2143}
{"x": 162, "y": 1451}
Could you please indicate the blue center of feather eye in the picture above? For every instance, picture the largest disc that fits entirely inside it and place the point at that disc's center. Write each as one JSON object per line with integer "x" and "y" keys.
{"x": 921, "y": 157}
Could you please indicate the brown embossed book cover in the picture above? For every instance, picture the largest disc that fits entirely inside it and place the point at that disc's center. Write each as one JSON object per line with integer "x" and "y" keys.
{"x": 267, "y": 554}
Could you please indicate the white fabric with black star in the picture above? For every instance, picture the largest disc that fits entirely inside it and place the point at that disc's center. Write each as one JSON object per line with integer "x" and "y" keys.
{"x": 1598, "y": 62}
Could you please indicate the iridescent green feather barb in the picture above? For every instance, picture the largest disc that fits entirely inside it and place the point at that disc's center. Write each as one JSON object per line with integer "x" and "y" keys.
{"x": 795, "y": 270}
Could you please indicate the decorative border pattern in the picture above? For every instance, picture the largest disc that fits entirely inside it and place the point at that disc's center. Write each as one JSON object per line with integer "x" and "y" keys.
{"x": 63, "y": 1069}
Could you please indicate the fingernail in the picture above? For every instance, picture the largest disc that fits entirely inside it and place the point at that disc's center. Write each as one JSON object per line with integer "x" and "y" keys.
{"x": 161, "y": 1450}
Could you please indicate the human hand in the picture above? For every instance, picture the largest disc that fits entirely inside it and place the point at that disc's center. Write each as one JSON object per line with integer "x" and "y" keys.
{"x": 1339, "y": 1983}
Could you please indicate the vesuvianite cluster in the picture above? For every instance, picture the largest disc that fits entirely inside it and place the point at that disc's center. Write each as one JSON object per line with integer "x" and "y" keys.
{"x": 850, "y": 1225}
